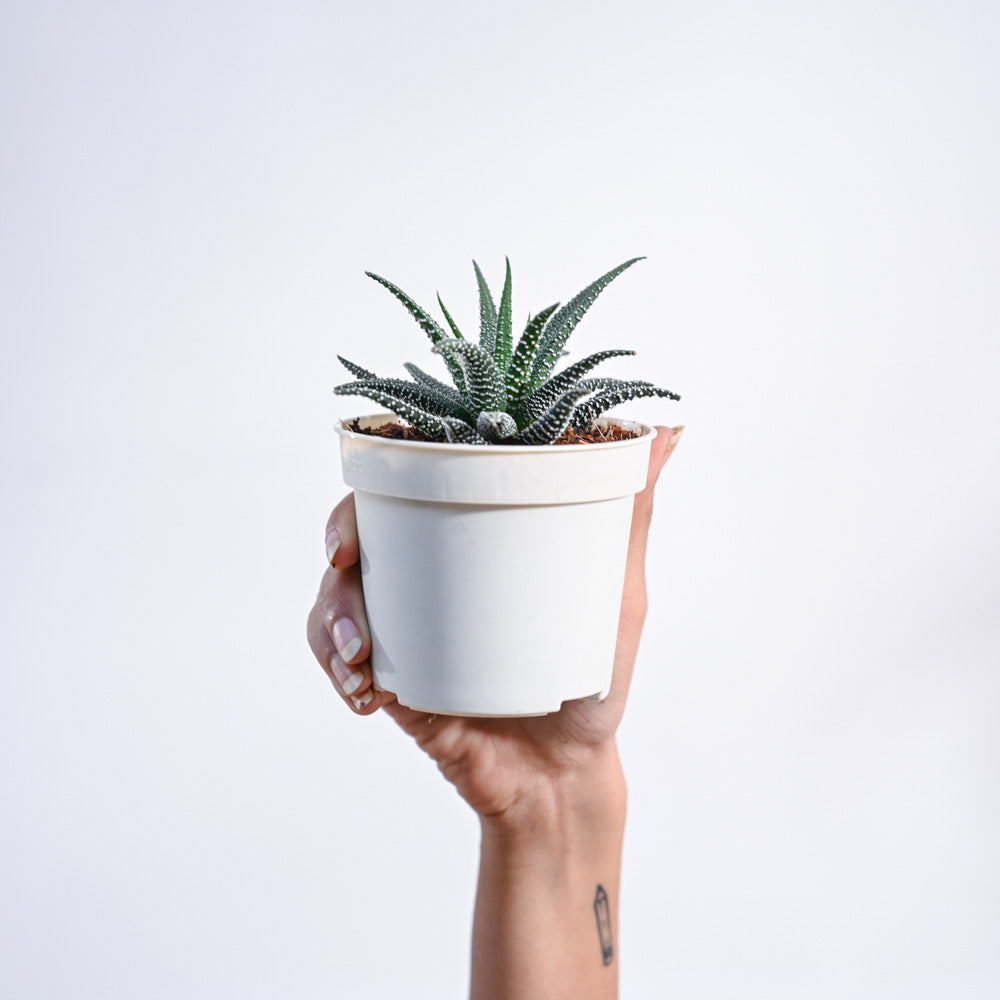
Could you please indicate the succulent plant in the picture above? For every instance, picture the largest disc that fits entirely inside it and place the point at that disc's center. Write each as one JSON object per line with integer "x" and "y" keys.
{"x": 502, "y": 394}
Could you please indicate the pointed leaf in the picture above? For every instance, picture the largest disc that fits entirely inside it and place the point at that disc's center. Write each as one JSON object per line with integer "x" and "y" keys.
{"x": 487, "y": 315}
{"x": 430, "y": 424}
{"x": 548, "y": 428}
{"x": 589, "y": 411}
{"x": 427, "y": 322}
{"x": 447, "y": 315}
{"x": 442, "y": 389}
{"x": 356, "y": 370}
{"x": 417, "y": 395}
{"x": 459, "y": 432}
{"x": 564, "y": 322}
{"x": 484, "y": 383}
{"x": 547, "y": 393}
{"x": 608, "y": 383}
{"x": 529, "y": 411}
{"x": 504, "y": 344}
{"x": 433, "y": 425}
{"x": 524, "y": 355}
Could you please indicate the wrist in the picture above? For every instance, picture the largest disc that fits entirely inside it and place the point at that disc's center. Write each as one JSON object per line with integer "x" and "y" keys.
{"x": 583, "y": 800}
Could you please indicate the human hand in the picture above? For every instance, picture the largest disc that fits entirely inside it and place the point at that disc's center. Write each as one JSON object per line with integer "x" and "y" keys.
{"x": 493, "y": 763}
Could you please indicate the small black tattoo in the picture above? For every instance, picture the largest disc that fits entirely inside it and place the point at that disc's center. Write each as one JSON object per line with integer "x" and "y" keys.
{"x": 603, "y": 913}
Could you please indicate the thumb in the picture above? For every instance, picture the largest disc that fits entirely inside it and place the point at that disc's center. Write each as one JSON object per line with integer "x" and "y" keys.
{"x": 663, "y": 447}
{"x": 633, "y": 612}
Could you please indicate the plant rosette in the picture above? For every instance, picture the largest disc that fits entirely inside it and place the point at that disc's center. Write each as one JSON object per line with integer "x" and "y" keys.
{"x": 493, "y": 557}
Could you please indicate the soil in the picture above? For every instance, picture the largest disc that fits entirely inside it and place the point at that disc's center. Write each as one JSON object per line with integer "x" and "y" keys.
{"x": 403, "y": 432}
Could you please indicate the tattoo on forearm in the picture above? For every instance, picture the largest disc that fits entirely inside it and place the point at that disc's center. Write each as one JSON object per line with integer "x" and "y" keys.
{"x": 603, "y": 913}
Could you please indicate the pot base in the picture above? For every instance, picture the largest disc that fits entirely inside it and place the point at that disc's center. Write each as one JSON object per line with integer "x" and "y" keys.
{"x": 598, "y": 696}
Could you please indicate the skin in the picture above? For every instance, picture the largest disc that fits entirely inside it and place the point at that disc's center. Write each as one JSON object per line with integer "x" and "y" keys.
{"x": 549, "y": 791}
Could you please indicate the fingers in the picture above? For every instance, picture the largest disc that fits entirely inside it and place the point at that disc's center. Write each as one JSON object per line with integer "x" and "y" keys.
{"x": 352, "y": 678}
{"x": 342, "y": 603}
{"x": 342, "y": 534}
{"x": 352, "y": 683}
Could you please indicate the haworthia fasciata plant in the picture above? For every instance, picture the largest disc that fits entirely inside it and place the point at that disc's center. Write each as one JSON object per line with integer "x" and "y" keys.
{"x": 503, "y": 392}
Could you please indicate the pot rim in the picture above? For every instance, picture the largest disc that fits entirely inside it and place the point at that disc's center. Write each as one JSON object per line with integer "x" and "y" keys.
{"x": 644, "y": 431}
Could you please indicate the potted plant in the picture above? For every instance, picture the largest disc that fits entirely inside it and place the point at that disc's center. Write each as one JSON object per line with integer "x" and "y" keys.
{"x": 494, "y": 514}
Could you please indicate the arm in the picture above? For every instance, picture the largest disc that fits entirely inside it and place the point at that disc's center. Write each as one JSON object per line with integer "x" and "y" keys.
{"x": 549, "y": 791}
{"x": 546, "y": 905}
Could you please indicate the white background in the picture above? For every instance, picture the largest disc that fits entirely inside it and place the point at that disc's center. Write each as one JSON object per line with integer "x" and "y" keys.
{"x": 190, "y": 195}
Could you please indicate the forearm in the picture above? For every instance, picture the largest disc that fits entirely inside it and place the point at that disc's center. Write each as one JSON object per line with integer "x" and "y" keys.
{"x": 546, "y": 906}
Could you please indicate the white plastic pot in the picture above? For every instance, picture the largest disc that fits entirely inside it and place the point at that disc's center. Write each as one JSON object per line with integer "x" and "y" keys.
{"x": 493, "y": 575}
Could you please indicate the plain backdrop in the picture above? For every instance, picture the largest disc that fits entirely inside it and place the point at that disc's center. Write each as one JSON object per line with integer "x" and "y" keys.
{"x": 190, "y": 195}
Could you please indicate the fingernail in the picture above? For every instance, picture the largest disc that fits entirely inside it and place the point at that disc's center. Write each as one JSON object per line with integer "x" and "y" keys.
{"x": 333, "y": 541}
{"x": 362, "y": 700}
{"x": 349, "y": 680}
{"x": 346, "y": 638}
{"x": 676, "y": 436}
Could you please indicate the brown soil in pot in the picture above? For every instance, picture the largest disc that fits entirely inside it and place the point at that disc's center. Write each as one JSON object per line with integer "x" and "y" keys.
{"x": 403, "y": 432}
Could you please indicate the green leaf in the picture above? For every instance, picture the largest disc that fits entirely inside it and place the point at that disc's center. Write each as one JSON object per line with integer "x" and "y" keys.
{"x": 608, "y": 383}
{"x": 433, "y": 425}
{"x": 548, "y": 428}
{"x": 524, "y": 355}
{"x": 447, "y": 315}
{"x": 417, "y": 395}
{"x": 547, "y": 393}
{"x": 356, "y": 370}
{"x": 487, "y": 315}
{"x": 427, "y": 423}
{"x": 496, "y": 425}
{"x": 529, "y": 411}
{"x": 484, "y": 383}
{"x": 427, "y": 322}
{"x": 458, "y": 432}
{"x": 589, "y": 411}
{"x": 434, "y": 385}
{"x": 504, "y": 343}
{"x": 564, "y": 322}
